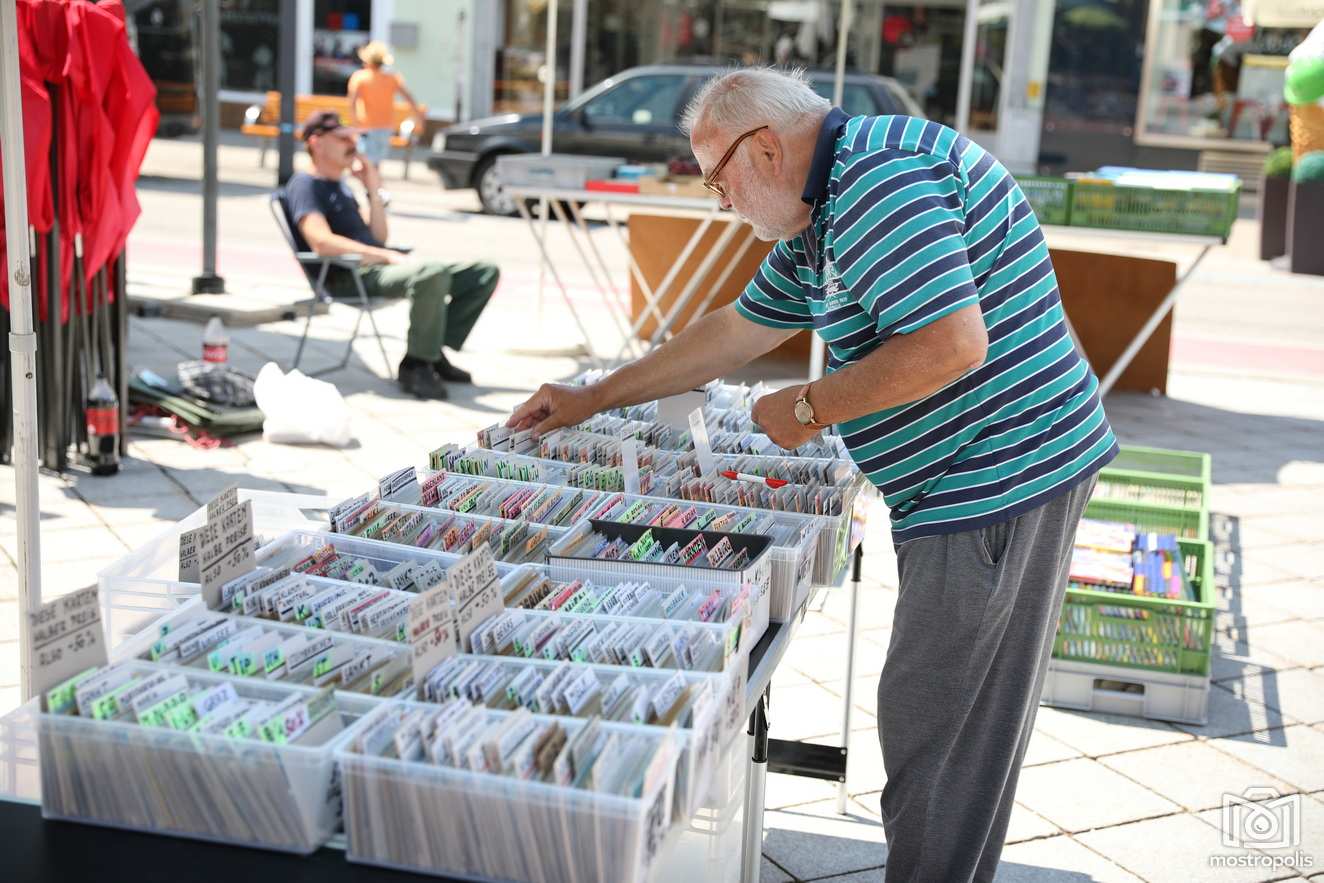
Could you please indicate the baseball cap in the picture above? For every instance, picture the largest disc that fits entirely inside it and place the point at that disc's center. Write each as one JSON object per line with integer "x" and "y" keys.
{"x": 324, "y": 122}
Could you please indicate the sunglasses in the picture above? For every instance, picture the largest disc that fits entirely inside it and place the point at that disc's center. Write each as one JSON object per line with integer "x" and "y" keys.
{"x": 710, "y": 180}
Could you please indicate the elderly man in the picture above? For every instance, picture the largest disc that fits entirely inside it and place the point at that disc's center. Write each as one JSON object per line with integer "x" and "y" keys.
{"x": 957, "y": 388}
{"x": 447, "y": 298}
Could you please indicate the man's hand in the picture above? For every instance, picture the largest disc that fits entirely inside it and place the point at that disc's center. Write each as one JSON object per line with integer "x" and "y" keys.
{"x": 775, "y": 415}
{"x": 553, "y": 406}
{"x": 363, "y": 169}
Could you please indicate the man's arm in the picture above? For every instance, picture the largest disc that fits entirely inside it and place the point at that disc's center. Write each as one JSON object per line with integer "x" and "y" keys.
{"x": 317, "y": 233}
{"x": 715, "y": 345}
{"x": 354, "y": 100}
{"x": 371, "y": 179}
{"x": 903, "y": 369}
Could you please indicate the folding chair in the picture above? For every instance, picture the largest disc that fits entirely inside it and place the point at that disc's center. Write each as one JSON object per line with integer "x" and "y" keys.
{"x": 315, "y": 267}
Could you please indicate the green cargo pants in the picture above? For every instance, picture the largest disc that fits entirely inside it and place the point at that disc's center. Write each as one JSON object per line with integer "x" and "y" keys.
{"x": 447, "y": 300}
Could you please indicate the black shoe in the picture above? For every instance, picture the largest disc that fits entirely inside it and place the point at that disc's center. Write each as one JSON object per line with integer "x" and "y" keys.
{"x": 450, "y": 373}
{"x": 418, "y": 379}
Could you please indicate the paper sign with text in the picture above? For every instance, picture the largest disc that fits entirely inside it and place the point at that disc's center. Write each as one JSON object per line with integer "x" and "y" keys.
{"x": 226, "y": 552}
{"x": 703, "y": 448}
{"x": 67, "y": 638}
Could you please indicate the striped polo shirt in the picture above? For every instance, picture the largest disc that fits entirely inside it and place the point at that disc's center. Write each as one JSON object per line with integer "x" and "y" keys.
{"x": 912, "y": 221}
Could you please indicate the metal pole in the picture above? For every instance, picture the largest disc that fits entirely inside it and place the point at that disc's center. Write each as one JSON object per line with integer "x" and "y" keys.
{"x": 816, "y": 346}
{"x": 856, "y": 567}
{"x": 965, "y": 83}
{"x": 548, "y": 96}
{"x": 208, "y": 282}
{"x": 22, "y": 339}
{"x": 578, "y": 39}
{"x": 285, "y": 76}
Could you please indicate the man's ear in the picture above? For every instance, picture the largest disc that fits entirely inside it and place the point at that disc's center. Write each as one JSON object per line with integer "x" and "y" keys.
{"x": 768, "y": 148}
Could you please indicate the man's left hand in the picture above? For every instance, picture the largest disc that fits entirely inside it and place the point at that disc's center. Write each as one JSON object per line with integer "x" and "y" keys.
{"x": 775, "y": 415}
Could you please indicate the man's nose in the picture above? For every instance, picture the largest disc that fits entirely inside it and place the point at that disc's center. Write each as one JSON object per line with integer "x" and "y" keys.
{"x": 725, "y": 202}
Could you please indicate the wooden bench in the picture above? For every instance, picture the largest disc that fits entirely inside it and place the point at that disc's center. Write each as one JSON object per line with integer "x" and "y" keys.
{"x": 263, "y": 121}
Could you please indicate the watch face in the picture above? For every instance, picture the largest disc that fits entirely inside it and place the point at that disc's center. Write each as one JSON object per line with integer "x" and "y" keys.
{"x": 804, "y": 412}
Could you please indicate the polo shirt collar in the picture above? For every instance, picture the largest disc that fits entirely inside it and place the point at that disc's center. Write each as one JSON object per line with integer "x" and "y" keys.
{"x": 825, "y": 155}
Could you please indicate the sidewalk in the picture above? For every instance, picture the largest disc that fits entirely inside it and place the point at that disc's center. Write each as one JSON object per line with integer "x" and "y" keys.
{"x": 1101, "y": 798}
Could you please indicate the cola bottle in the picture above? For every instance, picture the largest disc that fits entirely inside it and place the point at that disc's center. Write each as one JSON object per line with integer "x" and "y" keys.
{"x": 215, "y": 342}
{"x": 103, "y": 428}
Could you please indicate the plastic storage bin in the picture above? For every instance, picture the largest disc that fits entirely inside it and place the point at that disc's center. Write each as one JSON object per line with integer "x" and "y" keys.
{"x": 1186, "y": 464}
{"x": 433, "y": 819}
{"x": 294, "y": 545}
{"x": 1049, "y": 197}
{"x": 394, "y": 674}
{"x": 20, "y": 771}
{"x": 1187, "y": 524}
{"x": 714, "y": 727}
{"x": 1139, "y": 632}
{"x": 1153, "y": 489}
{"x": 757, "y": 573}
{"x": 183, "y": 784}
{"x": 1111, "y": 689}
{"x": 560, "y": 171}
{"x": 1101, "y": 203}
{"x": 149, "y": 575}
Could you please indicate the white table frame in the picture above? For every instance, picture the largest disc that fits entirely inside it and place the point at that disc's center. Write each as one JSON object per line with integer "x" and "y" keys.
{"x": 1204, "y": 243}
{"x": 567, "y": 206}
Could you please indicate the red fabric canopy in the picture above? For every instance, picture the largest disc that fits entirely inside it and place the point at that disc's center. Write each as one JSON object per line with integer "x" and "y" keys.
{"x": 74, "y": 56}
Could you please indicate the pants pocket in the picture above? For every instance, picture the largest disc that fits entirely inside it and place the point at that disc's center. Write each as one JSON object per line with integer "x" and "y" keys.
{"x": 992, "y": 540}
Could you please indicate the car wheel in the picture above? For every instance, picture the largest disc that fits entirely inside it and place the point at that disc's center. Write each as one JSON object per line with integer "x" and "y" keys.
{"x": 490, "y": 194}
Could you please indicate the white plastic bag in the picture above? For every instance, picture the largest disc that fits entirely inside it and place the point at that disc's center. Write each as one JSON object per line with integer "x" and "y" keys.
{"x": 298, "y": 409}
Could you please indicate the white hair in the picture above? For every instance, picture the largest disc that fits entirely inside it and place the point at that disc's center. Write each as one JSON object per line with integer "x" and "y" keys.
{"x": 745, "y": 98}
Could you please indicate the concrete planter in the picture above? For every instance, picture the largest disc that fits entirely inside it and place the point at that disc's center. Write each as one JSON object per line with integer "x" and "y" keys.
{"x": 1305, "y": 227}
{"x": 1274, "y": 193}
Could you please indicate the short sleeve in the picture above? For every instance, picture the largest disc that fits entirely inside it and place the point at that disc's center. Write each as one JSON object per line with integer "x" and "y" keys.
{"x": 774, "y": 296}
{"x": 899, "y": 239}
{"x": 302, "y": 198}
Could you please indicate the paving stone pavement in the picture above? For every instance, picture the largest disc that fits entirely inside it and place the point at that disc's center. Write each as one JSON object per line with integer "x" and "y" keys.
{"x": 1102, "y": 797}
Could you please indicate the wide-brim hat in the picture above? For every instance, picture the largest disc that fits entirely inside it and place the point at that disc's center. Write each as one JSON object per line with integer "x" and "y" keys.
{"x": 375, "y": 52}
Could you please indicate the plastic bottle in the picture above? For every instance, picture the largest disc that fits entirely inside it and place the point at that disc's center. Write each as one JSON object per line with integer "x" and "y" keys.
{"x": 215, "y": 342}
{"x": 103, "y": 428}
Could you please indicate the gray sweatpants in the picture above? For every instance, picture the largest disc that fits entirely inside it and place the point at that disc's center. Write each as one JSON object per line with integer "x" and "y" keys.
{"x": 971, "y": 638}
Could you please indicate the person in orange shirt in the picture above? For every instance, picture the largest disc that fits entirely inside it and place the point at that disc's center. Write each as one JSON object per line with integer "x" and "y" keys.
{"x": 372, "y": 101}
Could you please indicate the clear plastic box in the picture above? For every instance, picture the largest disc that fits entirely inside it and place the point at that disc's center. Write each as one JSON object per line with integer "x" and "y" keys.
{"x": 757, "y": 573}
{"x": 433, "y": 819}
{"x": 559, "y": 171}
{"x": 751, "y": 628}
{"x": 148, "y": 577}
{"x": 20, "y": 771}
{"x": 397, "y": 670}
{"x": 184, "y": 784}
{"x": 701, "y": 753}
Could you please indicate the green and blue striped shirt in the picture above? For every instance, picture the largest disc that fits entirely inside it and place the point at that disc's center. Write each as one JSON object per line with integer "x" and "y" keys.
{"x": 912, "y": 222}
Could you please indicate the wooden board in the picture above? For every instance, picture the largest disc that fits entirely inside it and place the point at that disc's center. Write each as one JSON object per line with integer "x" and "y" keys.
{"x": 1107, "y": 297}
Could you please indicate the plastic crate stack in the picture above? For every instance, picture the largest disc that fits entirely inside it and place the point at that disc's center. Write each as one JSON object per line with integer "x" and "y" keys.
{"x": 1143, "y": 654}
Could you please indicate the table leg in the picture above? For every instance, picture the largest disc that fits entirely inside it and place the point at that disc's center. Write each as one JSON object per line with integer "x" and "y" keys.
{"x": 695, "y": 238}
{"x": 751, "y": 864}
{"x": 615, "y": 302}
{"x": 700, "y": 273}
{"x": 1147, "y": 330}
{"x": 650, "y": 301}
{"x": 546, "y": 263}
{"x": 609, "y": 293}
{"x": 850, "y": 668}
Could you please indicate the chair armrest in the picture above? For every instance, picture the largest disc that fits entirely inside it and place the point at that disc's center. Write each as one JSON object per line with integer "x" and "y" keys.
{"x": 312, "y": 258}
{"x": 253, "y": 114}
{"x": 403, "y": 249}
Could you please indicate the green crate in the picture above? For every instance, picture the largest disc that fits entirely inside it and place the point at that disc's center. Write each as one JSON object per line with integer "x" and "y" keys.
{"x": 1098, "y": 203}
{"x": 1151, "y": 489}
{"x": 1187, "y": 464}
{"x": 1136, "y": 631}
{"x": 1049, "y": 197}
{"x": 1187, "y": 524}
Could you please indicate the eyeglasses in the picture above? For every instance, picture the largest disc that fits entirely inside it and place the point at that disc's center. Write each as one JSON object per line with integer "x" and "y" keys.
{"x": 710, "y": 180}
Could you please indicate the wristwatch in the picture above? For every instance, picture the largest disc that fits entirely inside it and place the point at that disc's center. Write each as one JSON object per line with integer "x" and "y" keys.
{"x": 804, "y": 412}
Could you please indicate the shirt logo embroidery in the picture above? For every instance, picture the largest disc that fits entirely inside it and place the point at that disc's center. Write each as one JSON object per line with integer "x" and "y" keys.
{"x": 833, "y": 294}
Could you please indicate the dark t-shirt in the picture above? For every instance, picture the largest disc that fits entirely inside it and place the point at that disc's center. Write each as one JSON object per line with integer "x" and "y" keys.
{"x": 334, "y": 200}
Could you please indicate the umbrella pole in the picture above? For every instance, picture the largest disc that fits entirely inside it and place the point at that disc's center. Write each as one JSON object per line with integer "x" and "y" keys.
{"x": 22, "y": 339}
{"x": 121, "y": 346}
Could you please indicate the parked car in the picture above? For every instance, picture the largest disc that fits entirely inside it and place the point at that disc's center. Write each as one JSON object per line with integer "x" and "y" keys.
{"x": 633, "y": 115}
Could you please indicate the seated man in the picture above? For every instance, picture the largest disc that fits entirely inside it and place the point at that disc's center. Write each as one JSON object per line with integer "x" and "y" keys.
{"x": 447, "y": 298}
